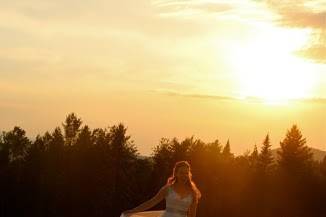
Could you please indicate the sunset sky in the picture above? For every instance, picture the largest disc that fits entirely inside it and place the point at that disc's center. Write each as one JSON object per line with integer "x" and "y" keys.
{"x": 215, "y": 69}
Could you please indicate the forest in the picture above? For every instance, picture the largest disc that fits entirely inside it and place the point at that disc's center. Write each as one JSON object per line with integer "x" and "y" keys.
{"x": 76, "y": 171}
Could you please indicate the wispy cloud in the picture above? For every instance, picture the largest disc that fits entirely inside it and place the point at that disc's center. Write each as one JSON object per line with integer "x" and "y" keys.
{"x": 249, "y": 99}
{"x": 194, "y": 95}
{"x": 316, "y": 49}
{"x": 314, "y": 100}
{"x": 187, "y": 8}
{"x": 305, "y": 14}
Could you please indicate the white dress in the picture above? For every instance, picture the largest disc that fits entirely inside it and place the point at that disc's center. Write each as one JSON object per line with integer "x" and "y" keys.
{"x": 157, "y": 213}
{"x": 175, "y": 206}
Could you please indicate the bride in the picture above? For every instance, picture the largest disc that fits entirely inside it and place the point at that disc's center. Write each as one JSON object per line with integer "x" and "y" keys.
{"x": 180, "y": 193}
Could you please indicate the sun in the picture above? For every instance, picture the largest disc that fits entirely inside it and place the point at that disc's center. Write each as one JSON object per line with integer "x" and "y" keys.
{"x": 267, "y": 68}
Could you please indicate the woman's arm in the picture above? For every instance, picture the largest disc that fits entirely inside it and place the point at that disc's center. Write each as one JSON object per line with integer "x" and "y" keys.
{"x": 193, "y": 208}
{"x": 150, "y": 203}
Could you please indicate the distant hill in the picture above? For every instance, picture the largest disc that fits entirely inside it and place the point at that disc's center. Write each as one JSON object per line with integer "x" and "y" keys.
{"x": 318, "y": 154}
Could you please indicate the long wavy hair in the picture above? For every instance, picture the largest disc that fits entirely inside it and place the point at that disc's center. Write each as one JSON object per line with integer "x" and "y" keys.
{"x": 190, "y": 183}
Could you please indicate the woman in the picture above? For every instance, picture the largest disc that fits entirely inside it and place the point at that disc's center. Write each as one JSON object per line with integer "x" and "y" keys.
{"x": 180, "y": 193}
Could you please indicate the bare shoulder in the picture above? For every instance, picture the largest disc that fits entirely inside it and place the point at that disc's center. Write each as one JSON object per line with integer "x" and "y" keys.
{"x": 165, "y": 188}
{"x": 163, "y": 191}
{"x": 161, "y": 194}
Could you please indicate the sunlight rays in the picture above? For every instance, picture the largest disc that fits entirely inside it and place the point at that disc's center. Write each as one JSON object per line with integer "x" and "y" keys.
{"x": 266, "y": 67}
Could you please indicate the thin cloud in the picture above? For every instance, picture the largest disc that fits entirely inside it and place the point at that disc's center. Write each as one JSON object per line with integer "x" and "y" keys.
{"x": 305, "y": 14}
{"x": 188, "y": 7}
{"x": 313, "y": 100}
{"x": 198, "y": 96}
{"x": 316, "y": 50}
{"x": 230, "y": 98}
{"x": 302, "y": 17}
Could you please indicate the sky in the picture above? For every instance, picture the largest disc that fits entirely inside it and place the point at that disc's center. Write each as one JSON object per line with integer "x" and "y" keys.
{"x": 212, "y": 69}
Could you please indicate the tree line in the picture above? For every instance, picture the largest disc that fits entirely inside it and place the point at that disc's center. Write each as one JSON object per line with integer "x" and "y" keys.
{"x": 77, "y": 171}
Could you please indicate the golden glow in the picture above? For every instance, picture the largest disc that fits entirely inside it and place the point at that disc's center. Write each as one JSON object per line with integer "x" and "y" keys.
{"x": 267, "y": 68}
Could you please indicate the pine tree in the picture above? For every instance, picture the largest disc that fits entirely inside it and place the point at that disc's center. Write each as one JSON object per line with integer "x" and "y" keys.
{"x": 71, "y": 128}
{"x": 84, "y": 139}
{"x": 215, "y": 147}
{"x": 265, "y": 159}
{"x": 123, "y": 159}
{"x": 295, "y": 156}
{"x": 227, "y": 150}
{"x": 180, "y": 150}
{"x": 254, "y": 157}
{"x": 162, "y": 162}
{"x": 57, "y": 141}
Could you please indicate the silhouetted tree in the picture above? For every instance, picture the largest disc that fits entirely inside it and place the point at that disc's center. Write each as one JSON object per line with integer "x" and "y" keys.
{"x": 295, "y": 164}
{"x": 254, "y": 157}
{"x": 295, "y": 156}
{"x": 17, "y": 143}
{"x": 71, "y": 128}
{"x": 57, "y": 171}
{"x": 123, "y": 158}
{"x": 162, "y": 160}
{"x": 4, "y": 152}
{"x": 265, "y": 159}
{"x": 78, "y": 171}
{"x": 227, "y": 150}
